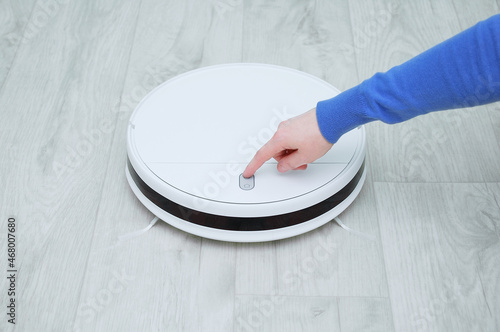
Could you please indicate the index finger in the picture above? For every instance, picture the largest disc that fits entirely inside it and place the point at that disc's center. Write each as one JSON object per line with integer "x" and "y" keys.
{"x": 266, "y": 152}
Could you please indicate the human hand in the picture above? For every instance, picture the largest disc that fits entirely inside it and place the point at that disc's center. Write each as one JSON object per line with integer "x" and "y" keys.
{"x": 297, "y": 142}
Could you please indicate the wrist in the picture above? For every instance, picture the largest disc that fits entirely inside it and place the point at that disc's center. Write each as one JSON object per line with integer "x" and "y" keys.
{"x": 342, "y": 113}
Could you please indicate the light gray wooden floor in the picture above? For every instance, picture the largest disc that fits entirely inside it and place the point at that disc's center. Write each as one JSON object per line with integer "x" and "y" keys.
{"x": 71, "y": 73}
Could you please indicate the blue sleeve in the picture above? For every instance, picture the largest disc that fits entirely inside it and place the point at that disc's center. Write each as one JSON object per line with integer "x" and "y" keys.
{"x": 463, "y": 71}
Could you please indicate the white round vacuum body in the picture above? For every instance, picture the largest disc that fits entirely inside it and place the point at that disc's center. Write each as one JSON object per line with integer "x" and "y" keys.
{"x": 190, "y": 139}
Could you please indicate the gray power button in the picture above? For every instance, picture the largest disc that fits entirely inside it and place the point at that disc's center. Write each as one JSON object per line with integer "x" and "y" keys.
{"x": 247, "y": 183}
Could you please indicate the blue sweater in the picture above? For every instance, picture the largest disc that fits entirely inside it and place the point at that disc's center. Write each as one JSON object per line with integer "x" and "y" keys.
{"x": 463, "y": 71}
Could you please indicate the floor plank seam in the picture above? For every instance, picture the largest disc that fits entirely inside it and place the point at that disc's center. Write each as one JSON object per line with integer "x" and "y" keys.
{"x": 315, "y": 296}
{"x": 383, "y": 252}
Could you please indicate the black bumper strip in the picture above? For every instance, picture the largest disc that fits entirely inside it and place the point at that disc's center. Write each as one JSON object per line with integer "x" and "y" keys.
{"x": 245, "y": 223}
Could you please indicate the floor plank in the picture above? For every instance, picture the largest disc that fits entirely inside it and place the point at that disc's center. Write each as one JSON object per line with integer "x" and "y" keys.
{"x": 435, "y": 238}
{"x": 216, "y": 286}
{"x": 256, "y": 269}
{"x": 53, "y": 98}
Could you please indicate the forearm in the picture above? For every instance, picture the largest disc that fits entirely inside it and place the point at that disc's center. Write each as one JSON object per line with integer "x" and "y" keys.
{"x": 461, "y": 72}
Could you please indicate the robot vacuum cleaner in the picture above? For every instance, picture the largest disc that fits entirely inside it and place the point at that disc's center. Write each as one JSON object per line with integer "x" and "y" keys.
{"x": 190, "y": 139}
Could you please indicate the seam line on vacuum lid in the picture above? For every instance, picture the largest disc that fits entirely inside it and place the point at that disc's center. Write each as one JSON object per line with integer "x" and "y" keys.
{"x": 347, "y": 165}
